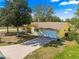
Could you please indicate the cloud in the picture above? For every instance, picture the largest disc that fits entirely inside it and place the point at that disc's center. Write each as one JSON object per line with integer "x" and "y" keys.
{"x": 66, "y": 12}
{"x": 74, "y": 2}
{"x": 63, "y": 3}
{"x": 68, "y": 9}
{"x": 69, "y": 2}
{"x": 54, "y": 0}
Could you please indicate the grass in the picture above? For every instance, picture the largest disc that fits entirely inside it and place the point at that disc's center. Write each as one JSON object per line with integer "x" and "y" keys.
{"x": 6, "y": 27}
{"x": 5, "y": 44}
{"x": 70, "y": 52}
{"x": 43, "y": 53}
{"x": 10, "y": 40}
{"x": 11, "y": 36}
{"x": 11, "y": 29}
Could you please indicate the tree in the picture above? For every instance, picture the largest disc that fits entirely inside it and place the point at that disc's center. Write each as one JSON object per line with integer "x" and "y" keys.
{"x": 43, "y": 12}
{"x": 17, "y": 14}
{"x": 55, "y": 19}
{"x": 6, "y": 16}
{"x": 74, "y": 27}
{"x": 73, "y": 35}
{"x": 49, "y": 13}
{"x": 67, "y": 20}
{"x": 75, "y": 22}
{"x": 22, "y": 15}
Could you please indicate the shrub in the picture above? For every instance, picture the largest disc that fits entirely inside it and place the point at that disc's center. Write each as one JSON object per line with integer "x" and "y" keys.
{"x": 77, "y": 39}
{"x": 72, "y": 35}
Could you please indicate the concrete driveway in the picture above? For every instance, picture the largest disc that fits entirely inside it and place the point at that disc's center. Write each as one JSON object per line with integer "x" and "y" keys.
{"x": 19, "y": 51}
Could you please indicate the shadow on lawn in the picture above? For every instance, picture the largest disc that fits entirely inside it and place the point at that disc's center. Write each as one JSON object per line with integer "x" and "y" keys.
{"x": 11, "y": 34}
{"x": 17, "y": 34}
{"x": 55, "y": 43}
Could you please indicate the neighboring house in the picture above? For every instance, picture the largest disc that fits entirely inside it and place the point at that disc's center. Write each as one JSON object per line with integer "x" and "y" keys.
{"x": 62, "y": 27}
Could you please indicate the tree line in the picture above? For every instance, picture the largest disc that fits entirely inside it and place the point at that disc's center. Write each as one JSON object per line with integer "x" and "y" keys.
{"x": 44, "y": 13}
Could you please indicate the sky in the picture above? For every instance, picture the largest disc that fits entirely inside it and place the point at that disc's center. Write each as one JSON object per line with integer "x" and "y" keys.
{"x": 62, "y": 8}
{"x": 2, "y": 3}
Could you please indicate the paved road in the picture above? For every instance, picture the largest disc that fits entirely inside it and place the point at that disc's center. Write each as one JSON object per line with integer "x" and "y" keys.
{"x": 19, "y": 51}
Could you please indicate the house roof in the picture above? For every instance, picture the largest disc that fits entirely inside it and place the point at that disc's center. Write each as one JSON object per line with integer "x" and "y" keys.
{"x": 52, "y": 25}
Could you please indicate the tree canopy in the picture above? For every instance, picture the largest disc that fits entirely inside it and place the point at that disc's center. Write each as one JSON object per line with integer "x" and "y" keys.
{"x": 16, "y": 14}
{"x": 43, "y": 12}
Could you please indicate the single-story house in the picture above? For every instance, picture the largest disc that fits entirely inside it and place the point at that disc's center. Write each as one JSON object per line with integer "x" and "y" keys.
{"x": 62, "y": 27}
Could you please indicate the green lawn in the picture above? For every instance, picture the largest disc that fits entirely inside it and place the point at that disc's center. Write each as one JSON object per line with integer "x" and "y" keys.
{"x": 70, "y": 52}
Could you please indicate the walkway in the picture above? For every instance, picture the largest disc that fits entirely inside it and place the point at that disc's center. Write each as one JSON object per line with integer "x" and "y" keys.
{"x": 19, "y": 51}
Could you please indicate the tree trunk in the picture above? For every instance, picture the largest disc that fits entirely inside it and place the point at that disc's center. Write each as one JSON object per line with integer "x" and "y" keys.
{"x": 38, "y": 20}
{"x": 17, "y": 29}
{"x": 7, "y": 29}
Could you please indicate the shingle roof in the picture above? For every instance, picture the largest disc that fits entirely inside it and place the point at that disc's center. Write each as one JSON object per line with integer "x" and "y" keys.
{"x": 52, "y": 25}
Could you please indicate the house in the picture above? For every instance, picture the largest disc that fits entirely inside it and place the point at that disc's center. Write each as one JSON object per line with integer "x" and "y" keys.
{"x": 62, "y": 27}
